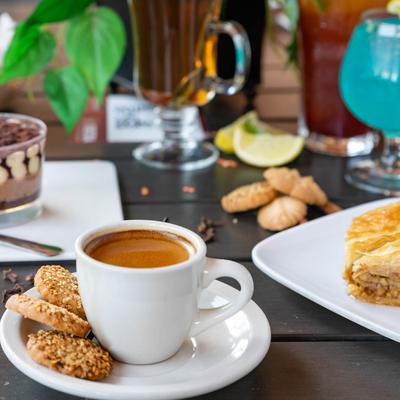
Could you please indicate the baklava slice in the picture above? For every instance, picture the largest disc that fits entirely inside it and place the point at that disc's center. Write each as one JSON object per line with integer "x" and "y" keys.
{"x": 372, "y": 268}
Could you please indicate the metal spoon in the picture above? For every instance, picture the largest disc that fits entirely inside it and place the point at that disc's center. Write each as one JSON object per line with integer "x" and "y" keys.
{"x": 40, "y": 248}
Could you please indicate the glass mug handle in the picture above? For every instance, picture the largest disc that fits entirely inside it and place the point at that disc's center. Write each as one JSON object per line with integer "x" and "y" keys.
{"x": 241, "y": 45}
{"x": 215, "y": 269}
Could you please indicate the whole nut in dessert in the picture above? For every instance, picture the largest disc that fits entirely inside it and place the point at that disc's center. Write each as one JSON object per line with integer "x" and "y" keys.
{"x": 32, "y": 151}
{"x": 16, "y": 162}
{"x": 34, "y": 161}
{"x": 3, "y": 175}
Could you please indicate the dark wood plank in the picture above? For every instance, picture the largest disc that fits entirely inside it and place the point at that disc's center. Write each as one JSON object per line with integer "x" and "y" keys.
{"x": 233, "y": 241}
{"x": 214, "y": 182}
{"x": 328, "y": 371}
{"x": 292, "y": 317}
{"x": 300, "y": 371}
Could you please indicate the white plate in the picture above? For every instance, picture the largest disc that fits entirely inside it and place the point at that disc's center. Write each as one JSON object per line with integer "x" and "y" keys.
{"x": 309, "y": 259}
{"x": 76, "y": 196}
{"x": 212, "y": 360}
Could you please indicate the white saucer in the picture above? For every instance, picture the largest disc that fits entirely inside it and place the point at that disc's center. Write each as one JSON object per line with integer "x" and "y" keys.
{"x": 212, "y": 360}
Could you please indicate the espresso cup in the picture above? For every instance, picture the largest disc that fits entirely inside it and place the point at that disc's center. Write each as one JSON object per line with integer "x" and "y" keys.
{"x": 144, "y": 315}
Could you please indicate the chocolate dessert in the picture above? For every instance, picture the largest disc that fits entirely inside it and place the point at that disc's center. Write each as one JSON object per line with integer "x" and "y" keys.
{"x": 22, "y": 141}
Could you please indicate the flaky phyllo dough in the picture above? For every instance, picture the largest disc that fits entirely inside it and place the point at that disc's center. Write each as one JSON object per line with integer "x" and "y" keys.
{"x": 372, "y": 268}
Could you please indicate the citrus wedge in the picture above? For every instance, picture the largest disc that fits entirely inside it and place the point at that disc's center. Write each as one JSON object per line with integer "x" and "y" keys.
{"x": 268, "y": 149}
{"x": 224, "y": 137}
{"x": 394, "y": 7}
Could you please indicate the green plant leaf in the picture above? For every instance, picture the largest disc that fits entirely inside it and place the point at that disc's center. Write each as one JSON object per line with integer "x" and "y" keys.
{"x": 57, "y": 10}
{"x": 95, "y": 44}
{"x": 292, "y": 50}
{"x": 291, "y": 10}
{"x": 29, "y": 52}
{"x": 320, "y": 4}
{"x": 67, "y": 92}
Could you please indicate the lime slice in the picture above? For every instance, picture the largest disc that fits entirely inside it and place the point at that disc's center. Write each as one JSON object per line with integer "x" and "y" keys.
{"x": 224, "y": 137}
{"x": 224, "y": 140}
{"x": 266, "y": 149}
{"x": 394, "y": 7}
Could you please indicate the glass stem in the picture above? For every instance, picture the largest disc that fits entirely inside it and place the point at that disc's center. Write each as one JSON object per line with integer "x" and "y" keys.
{"x": 390, "y": 159}
{"x": 178, "y": 125}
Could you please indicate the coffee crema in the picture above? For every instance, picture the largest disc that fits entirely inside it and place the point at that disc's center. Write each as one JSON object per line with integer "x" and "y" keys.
{"x": 140, "y": 249}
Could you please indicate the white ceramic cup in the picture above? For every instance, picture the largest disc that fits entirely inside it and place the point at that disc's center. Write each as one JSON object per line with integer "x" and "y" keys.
{"x": 143, "y": 315}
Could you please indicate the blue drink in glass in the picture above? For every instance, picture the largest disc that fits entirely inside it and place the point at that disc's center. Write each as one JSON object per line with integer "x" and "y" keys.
{"x": 369, "y": 83}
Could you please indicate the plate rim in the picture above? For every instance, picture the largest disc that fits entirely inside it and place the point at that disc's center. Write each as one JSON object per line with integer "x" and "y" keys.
{"x": 309, "y": 294}
{"x": 175, "y": 390}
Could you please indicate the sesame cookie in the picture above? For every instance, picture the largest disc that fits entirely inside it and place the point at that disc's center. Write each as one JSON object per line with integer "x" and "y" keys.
{"x": 58, "y": 286}
{"x": 69, "y": 355}
{"x": 282, "y": 213}
{"x": 39, "y": 310}
{"x": 248, "y": 197}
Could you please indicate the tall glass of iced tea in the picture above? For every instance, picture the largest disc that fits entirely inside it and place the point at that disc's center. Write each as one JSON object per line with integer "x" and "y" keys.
{"x": 324, "y": 33}
{"x": 175, "y": 43}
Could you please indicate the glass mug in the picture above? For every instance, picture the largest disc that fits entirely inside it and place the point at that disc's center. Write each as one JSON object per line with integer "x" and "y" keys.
{"x": 324, "y": 33}
{"x": 175, "y": 46}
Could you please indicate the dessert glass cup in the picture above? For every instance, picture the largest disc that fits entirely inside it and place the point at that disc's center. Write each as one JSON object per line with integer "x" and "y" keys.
{"x": 21, "y": 171}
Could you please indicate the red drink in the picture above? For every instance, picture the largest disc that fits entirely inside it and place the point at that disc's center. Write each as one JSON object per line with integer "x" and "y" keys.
{"x": 323, "y": 40}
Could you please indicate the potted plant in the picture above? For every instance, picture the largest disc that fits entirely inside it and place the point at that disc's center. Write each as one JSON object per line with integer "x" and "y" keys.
{"x": 94, "y": 41}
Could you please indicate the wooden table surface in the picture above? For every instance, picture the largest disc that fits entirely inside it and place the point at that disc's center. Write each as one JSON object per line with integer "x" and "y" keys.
{"x": 315, "y": 354}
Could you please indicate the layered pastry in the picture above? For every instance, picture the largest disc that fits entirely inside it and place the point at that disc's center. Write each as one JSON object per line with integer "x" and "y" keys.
{"x": 372, "y": 266}
{"x": 22, "y": 141}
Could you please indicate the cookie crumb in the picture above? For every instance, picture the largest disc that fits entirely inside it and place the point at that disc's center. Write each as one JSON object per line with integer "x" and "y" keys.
{"x": 10, "y": 275}
{"x": 144, "y": 191}
{"x": 235, "y": 221}
{"x": 226, "y": 163}
{"x": 29, "y": 278}
{"x": 188, "y": 189}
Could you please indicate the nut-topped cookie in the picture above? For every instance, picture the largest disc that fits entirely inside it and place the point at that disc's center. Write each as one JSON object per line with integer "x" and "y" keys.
{"x": 69, "y": 355}
{"x": 58, "y": 286}
{"x": 49, "y": 314}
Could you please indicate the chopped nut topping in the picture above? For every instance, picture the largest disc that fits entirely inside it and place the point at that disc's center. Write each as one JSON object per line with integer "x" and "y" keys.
{"x": 70, "y": 355}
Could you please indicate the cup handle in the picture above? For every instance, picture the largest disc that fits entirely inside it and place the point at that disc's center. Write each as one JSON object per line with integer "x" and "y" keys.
{"x": 215, "y": 269}
{"x": 242, "y": 48}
